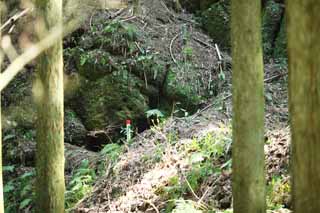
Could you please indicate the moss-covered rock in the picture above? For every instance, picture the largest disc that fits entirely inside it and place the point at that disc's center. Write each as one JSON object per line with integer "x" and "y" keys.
{"x": 21, "y": 119}
{"x": 110, "y": 100}
{"x": 21, "y": 115}
{"x": 75, "y": 132}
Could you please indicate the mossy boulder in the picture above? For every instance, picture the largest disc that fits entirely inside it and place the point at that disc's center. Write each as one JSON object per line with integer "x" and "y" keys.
{"x": 75, "y": 132}
{"x": 109, "y": 101}
{"x": 21, "y": 115}
{"x": 22, "y": 118}
{"x": 94, "y": 64}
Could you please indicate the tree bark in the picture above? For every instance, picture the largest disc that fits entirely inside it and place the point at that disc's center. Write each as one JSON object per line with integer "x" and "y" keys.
{"x": 48, "y": 94}
{"x": 303, "y": 32}
{"x": 248, "y": 108}
{"x": 1, "y": 178}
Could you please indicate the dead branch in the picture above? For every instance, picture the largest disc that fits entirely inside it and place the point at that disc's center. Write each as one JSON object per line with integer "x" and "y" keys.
{"x": 170, "y": 47}
{"x": 14, "y": 18}
{"x": 34, "y": 51}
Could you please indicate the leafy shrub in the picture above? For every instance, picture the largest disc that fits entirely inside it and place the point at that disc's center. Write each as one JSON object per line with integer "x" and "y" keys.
{"x": 18, "y": 192}
{"x": 80, "y": 185}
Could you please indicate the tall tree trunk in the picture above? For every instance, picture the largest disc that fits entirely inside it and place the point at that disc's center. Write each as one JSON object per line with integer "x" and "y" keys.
{"x": 248, "y": 108}
{"x": 48, "y": 94}
{"x": 303, "y": 31}
{"x": 1, "y": 181}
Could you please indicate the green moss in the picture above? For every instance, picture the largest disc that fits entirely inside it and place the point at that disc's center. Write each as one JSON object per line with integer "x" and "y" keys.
{"x": 278, "y": 193}
{"x": 179, "y": 92}
{"x": 111, "y": 100}
{"x": 23, "y": 114}
{"x": 216, "y": 20}
{"x": 94, "y": 64}
{"x": 280, "y": 51}
{"x": 271, "y": 19}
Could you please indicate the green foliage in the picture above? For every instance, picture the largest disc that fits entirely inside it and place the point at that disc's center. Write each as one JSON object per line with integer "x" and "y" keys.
{"x": 155, "y": 116}
{"x": 18, "y": 192}
{"x": 80, "y": 185}
{"x": 278, "y": 193}
{"x": 112, "y": 99}
{"x": 280, "y": 51}
{"x": 183, "y": 92}
{"x": 213, "y": 145}
{"x": 187, "y": 52}
{"x": 112, "y": 151}
{"x": 271, "y": 19}
{"x": 202, "y": 154}
{"x": 216, "y": 20}
{"x": 154, "y": 112}
{"x": 185, "y": 206}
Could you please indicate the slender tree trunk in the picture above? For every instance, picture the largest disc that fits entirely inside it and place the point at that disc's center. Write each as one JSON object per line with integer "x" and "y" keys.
{"x": 48, "y": 94}
{"x": 303, "y": 29}
{"x": 1, "y": 181}
{"x": 248, "y": 108}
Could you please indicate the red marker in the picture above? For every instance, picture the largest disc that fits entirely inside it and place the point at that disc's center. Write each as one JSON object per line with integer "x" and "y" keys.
{"x": 128, "y": 130}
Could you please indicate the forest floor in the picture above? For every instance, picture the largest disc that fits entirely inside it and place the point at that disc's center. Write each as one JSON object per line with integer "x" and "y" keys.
{"x": 184, "y": 164}
{"x": 186, "y": 161}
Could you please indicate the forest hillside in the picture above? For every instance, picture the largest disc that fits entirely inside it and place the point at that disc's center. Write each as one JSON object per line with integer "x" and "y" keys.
{"x": 167, "y": 69}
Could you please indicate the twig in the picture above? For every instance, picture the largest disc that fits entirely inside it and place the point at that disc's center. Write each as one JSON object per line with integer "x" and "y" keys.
{"x": 165, "y": 7}
{"x": 140, "y": 49}
{"x": 153, "y": 206}
{"x": 170, "y": 47}
{"x": 207, "y": 190}
{"x": 117, "y": 13}
{"x": 15, "y": 18}
{"x": 274, "y": 77}
{"x": 218, "y": 52}
{"x": 203, "y": 42}
{"x": 34, "y": 51}
{"x": 128, "y": 19}
{"x": 192, "y": 191}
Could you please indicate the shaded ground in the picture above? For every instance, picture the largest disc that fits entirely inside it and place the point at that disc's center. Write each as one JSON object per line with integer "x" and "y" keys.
{"x": 182, "y": 161}
{"x": 156, "y": 172}
{"x": 142, "y": 179}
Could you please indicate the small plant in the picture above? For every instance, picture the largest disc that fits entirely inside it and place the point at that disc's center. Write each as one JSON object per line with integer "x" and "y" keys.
{"x": 112, "y": 151}
{"x": 80, "y": 185}
{"x": 124, "y": 133}
{"x": 278, "y": 193}
{"x": 186, "y": 206}
{"x": 187, "y": 53}
{"x": 155, "y": 116}
{"x": 18, "y": 192}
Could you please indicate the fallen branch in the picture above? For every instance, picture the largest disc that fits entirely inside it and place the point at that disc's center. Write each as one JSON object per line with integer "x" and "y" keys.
{"x": 14, "y": 18}
{"x": 218, "y": 52}
{"x": 170, "y": 47}
{"x": 203, "y": 42}
{"x": 34, "y": 51}
{"x": 268, "y": 80}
